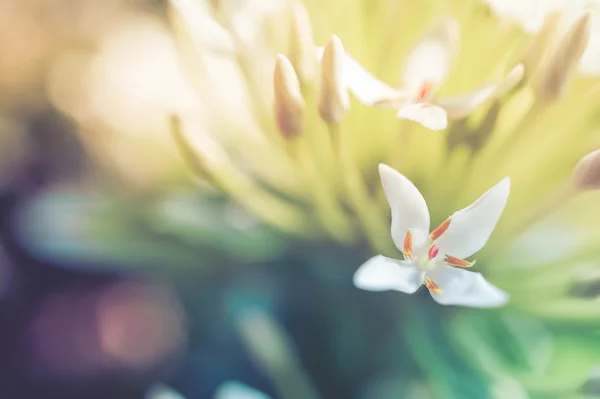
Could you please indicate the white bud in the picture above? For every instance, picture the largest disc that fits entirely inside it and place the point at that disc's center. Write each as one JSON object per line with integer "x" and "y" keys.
{"x": 289, "y": 103}
{"x": 333, "y": 92}
{"x": 586, "y": 174}
{"x": 302, "y": 52}
{"x": 562, "y": 65}
{"x": 541, "y": 43}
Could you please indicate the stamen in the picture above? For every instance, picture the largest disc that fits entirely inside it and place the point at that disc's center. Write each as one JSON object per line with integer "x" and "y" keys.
{"x": 408, "y": 243}
{"x": 433, "y": 252}
{"x": 441, "y": 229}
{"x": 431, "y": 286}
{"x": 457, "y": 262}
{"x": 425, "y": 91}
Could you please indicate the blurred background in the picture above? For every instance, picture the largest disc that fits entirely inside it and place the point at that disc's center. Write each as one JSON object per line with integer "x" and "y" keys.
{"x": 123, "y": 275}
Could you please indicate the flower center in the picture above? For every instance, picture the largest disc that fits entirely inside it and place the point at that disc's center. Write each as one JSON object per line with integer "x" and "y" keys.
{"x": 425, "y": 91}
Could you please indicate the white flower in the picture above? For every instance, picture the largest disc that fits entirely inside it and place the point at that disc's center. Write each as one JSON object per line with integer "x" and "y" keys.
{"x": 426, "y": 69}
{"x": 435, "y": 259}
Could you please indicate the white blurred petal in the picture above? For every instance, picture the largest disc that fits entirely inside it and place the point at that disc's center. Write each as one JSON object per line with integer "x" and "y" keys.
{"x": 203, "y": 29}
{"x": 431, "y": 58}
{"x": 367, "y": 88}
{"x": 471, "y": 227}
{"x": 409, "y": 210}
{"x": 462, "y": 106}
{"x": 510, "y": 81}
{"x": 590, "y": 61}
{"x": 529, "y": 14}
{"x": 248, "y": 18}
{"x": 237, "y": 390}
{"x": 382, "y": 274}
{"x": 465, "y": 288}
{"x": 429, "y": 115}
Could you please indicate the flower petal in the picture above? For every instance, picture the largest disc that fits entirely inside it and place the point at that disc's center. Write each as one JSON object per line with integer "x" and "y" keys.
{"x": 409, "y": 210}
{"x": 431, "y": 58}
{"x": 471, "y": 227}
{"x": 458, "y": 107}
{"x": 465, "y": 288}
{"x": 428, "y": 115}
{"x": 367, "y": 89}
{"x": 462, "y": 106}
{"x": 382, "y": 274}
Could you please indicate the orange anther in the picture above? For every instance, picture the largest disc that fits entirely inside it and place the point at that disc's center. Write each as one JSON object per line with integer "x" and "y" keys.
{"x": 425, "y": 91}
{"x": 457, "y": 262}
{"x": 433, "y": 252}
{"x": 408, "y": 243}
{"x": 441, "y": 229}
{"x": 431, "y": 286}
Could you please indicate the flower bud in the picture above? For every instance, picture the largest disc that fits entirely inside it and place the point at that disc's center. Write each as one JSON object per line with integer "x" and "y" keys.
{"x": 563, "y": 63}
{"x": 333, "y": 94}
{"x": 302, "y": 52}
{"x": 586, "y": 175}
{"x": 289, "y": 104}
{"x": 544, "y": 40}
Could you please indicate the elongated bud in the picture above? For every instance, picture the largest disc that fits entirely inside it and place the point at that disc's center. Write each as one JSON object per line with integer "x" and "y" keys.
{"x": 302, "y": 51}
{"x": 333, "y": 93}
{"x": 289, "y": 103}
{"x": 586, "y": 175}
{"x": 544, "y": 40}
{"x": 563, "y": 63}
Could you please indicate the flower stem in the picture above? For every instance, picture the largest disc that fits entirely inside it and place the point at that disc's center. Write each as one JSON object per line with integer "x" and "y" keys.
{"x": 357, "y": 194}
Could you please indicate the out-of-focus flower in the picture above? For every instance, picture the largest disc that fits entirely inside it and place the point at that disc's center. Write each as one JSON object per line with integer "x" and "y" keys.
{"x": 426, "y": 69}
{"x": 532, "y": 13}
{"x": 299, "y": 155}
{"x": 435, "y": 260}
{"x": 237, "y": 390}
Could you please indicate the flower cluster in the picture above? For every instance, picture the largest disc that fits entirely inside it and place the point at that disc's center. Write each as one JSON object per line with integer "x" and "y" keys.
{"x": 309, "y": 169}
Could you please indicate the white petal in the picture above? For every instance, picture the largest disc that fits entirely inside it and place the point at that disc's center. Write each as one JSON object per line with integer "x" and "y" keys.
{"x": 429, "y": 115}
{"x": 383, "y": 274}
{"x": 365, "y": 86}
{"x": 465, "y": 288}
{"x": 462, "y": 106}
{"x": 237, "y": 390}
{"x": 510, "y": 81}
{"x": 430, "y": 60}
{"x": 204, "y": 30}
{"x": 471, "y": 227}
{"x": 409, "y": 210}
